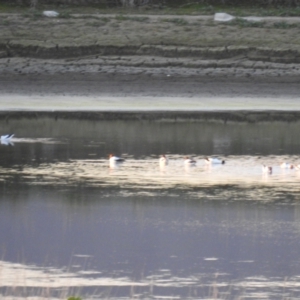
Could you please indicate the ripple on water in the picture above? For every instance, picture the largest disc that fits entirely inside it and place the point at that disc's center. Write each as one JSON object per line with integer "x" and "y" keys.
{"x": 45, "y": 282}
{"x": 147, "y": 177}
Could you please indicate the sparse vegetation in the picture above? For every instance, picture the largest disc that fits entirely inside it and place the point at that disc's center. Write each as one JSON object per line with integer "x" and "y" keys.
{"x": 175, "y": 7}
{"x": 177, "y": 21}
{"x": 65, "y": 14}
{"x": 131, "y": 18}
{"x": 74, "y": 298}
{"x": 95, "y": 24}
{"x": 284, "y": 25}
{"x": 126, "y": 32}
{"x": 5, "y": 22}
{"x": 245, "y": 23}
{"x": 33, "y": 14}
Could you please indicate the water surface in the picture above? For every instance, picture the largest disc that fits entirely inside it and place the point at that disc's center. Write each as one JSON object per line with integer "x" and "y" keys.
{"x": 70, "y": 224}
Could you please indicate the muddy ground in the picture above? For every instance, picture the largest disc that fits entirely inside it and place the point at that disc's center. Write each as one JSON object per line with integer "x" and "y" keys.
{"x": 148, "y": 56}
{"x": 151, "y": 41}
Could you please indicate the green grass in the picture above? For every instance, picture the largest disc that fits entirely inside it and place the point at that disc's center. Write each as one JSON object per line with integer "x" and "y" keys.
{"x": 74, "y": 298}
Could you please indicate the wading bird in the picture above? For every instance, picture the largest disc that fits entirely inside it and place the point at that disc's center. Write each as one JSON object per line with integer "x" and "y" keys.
{"x": 189, "y": 161}
{"x": 285, "y": 165}
{"x": 163, "y": 161}
{"x": 115, "y": 161}
{"x": 267, "y": 169}
{"x": 214, "y": 161}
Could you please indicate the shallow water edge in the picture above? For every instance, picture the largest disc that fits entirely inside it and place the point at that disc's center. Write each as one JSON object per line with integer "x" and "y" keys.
{"x": 73, "y": 224}
{"x": 246, "y": 116}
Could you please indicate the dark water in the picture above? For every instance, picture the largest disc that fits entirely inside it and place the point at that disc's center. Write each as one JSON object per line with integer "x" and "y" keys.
{"x": 72, "y": 225}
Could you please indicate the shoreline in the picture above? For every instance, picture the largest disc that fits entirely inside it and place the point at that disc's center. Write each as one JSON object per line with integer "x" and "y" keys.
{"x": 153, "y": 82}
{"x": 157, "y": 64}
{"x": 133, "y": 63}
{"x": 90, "y": 95}
{"x": 240, "y": 116}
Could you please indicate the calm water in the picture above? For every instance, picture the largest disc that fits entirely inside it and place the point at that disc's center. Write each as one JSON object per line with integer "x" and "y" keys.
{"x": 70, "y": 225}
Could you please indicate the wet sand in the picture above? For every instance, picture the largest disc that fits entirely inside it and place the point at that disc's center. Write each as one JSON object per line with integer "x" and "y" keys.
{"x": 141, "y": 92}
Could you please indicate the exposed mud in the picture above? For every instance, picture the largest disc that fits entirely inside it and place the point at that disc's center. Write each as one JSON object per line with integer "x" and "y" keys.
{"x": 201, "y": 53}
{"x": 165, "y": 116}
{"x": 183, "y": 46}
{"x": 192, "y": 57}
{"x": 268, "y": 40}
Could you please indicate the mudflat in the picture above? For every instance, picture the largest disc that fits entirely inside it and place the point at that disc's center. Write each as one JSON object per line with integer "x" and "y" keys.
{"x": 113, "y": 62}
{"x": 266, "y": 38}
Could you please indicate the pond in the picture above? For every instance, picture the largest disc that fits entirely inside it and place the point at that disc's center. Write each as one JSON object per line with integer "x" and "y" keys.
{"x": 72, "y": 225}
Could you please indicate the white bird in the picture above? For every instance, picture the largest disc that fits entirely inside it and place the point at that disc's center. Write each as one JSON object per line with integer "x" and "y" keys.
{"x": 214, "y": 161}
{"x": 267, "y": 169}
{"x": 189, "y": 161}
{"x": 285, "y": 165}
{"x": 163, "y": 161}
{"x": 6, "y": 137}
{"x": 113, "y": 158}
{"x": 115, "y": 161}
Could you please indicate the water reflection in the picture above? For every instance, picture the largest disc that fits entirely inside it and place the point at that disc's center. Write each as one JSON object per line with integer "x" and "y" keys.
{"x": 7, "y": 143}
{"x": 68, "y": 283}
{"x": 70, "y": 224}
{"x": 141, "y": 138}
{"x": 155, "y": 246}
{"x": 148, "y": 174}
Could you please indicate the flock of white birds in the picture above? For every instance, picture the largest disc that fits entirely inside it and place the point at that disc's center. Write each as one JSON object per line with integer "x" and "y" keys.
{"x": 188, "y": 161}
{"x": 164, "y": 160}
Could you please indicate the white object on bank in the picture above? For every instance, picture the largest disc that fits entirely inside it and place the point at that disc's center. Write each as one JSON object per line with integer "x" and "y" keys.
{"x": 50, "y": 13}
{"x": 223, "y": 17}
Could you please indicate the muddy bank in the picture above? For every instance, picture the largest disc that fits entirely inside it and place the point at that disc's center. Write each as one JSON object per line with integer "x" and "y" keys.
{"x": 267, "y": 40}
{"x": 185, "y": 46}
{"x": 158, "y": 82}
{"x": 146, "y": 95}
{"x": 150, "y": 65}
{"x": 244, "y": 53}
{"x": 129, "y": 63}
{"x": 159, "y": 116}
